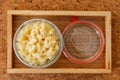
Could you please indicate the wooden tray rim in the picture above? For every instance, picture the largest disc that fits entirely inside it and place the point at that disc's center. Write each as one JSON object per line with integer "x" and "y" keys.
{"x": 106, "y": 14}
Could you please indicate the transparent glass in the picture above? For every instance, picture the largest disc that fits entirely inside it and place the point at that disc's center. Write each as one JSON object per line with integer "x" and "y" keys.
{"x": 84, "y": 42}
{"x": 58, "y": 34}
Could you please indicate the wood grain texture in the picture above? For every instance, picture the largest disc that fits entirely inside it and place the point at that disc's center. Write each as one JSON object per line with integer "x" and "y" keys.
{"x": 60, "y": 19}
{"x": 81, "y": 5}
{"x": 108, "y": 42}
{"x": 59, "y": 13}
{"x": 60, "y": 70}
{"x": 9, "y": 41}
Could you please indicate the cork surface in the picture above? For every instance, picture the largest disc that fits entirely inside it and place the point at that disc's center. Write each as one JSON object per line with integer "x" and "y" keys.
{"x": 80, "y": 5}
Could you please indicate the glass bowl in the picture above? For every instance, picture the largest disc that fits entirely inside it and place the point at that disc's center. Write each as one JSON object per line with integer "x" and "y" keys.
{"x": 83, "y": 41}
{"x": 58, "y": 34}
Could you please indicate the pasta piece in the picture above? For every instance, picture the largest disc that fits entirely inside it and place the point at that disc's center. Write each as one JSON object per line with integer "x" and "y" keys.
{"x": 51, "y": 31}
{"x": 49, "y": 54}
{"x": 43, "y": 60}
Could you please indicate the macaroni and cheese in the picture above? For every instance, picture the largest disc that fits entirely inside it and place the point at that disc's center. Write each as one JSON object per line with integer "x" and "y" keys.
{"x": 38, "y": 43}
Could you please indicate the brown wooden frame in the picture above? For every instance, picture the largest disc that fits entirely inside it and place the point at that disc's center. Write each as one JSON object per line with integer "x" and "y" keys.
{"x": 108, "y": 59}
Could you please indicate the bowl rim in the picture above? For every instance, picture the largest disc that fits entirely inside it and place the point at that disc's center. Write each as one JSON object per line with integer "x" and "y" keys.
{"x": 58, "y": 33}
{"x": 97, "y": 54}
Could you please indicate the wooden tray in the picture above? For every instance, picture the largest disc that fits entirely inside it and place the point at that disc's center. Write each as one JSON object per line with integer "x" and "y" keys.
{"x": 61, "y": 19}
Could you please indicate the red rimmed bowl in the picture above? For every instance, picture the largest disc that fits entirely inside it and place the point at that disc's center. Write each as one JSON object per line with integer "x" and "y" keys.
{"x": 83, "y": 41}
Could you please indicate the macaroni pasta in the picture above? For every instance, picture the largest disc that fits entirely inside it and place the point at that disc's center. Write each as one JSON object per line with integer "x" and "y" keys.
{"x": 38, "y": 43}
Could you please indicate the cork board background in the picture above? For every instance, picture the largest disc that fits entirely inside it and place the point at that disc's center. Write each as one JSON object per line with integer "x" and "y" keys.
{"x": 80, "y": 5}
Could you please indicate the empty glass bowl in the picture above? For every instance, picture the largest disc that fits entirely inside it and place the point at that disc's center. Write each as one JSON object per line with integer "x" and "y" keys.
{"x": 83, "y": 41}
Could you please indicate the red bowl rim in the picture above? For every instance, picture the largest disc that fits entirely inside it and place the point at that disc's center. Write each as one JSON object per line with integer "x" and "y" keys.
{"x": 97, "y": 54}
